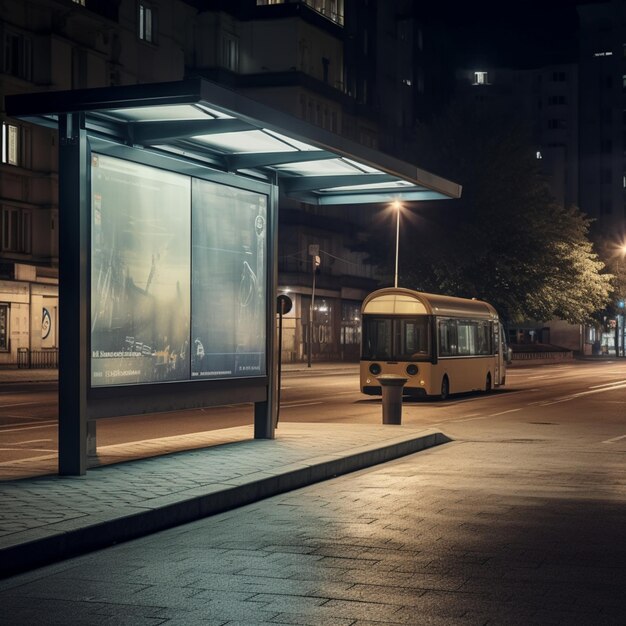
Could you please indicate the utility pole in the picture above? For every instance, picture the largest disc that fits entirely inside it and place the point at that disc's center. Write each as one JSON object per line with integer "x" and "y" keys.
{"x": 314, "y": 250}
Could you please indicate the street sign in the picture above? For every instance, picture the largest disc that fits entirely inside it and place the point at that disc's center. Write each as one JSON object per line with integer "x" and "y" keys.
{"x": 283, "y": 304}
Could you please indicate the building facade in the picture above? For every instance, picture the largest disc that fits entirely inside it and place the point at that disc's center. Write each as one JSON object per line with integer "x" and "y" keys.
{"x": 346, "y": 66}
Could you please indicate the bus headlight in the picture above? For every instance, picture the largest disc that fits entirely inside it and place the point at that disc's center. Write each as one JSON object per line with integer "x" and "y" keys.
{"x": 375, "y": 369}
{"x": 411, "y": 369}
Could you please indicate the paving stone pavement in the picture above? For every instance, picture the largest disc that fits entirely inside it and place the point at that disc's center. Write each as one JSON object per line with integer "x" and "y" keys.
{"x": 508, "y": 531}
{"x": 51, "y": 517}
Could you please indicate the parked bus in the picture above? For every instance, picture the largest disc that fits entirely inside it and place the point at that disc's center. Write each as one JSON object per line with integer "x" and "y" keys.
{"x": 441, "y": 344}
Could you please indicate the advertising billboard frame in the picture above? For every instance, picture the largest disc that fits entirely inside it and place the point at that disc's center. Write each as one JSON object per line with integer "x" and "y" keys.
{"x": 127, "y": 399}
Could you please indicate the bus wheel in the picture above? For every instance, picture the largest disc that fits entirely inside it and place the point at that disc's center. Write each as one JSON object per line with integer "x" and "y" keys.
{"x": 445, "y": 388}
{"x": 488, "y": 383}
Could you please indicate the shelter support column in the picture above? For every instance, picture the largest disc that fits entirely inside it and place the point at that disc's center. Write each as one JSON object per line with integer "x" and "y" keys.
{"x": 73, "y": 294}
{"x": 265, "y": 413}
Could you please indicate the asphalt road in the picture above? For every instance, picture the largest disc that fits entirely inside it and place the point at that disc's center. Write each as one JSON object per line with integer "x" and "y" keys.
{"x": 518, "y": 520}
{"x": 588, "y": 395}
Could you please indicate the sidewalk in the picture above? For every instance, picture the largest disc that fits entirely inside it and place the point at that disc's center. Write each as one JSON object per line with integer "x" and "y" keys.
{"x": 51, "y": 517}
{"x": 15, "y": 375}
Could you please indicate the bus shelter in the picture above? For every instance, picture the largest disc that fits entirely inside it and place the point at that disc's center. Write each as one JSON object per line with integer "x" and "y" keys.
{"x": 168, "y": 198}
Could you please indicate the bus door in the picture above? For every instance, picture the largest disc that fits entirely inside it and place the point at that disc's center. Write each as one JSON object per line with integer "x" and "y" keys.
{"x": 497, "y": 342}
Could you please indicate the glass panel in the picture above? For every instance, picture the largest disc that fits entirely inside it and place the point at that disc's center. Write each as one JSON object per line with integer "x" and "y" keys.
{"x": 377, "y": 338}
{"x": 396, "y": 339}
{"x": 246, "y": 141}
{"x": 300, "y": 145}
{"x": 414, "y": 343}
{"x": 447, "y": 338}
{"x": 228, "y": 327}
{"x": 156, "y": 113}
{"x": 329, "y": 167}
{"x": 140, "y": 276}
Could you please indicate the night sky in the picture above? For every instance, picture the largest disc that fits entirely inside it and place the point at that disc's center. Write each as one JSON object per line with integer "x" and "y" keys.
{"x": 517, "y": 35}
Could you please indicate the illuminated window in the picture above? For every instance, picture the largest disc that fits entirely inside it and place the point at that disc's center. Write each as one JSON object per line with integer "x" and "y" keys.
{"x": 147, "y": 22}
{"x": 606, "y": 53}
{"x": 481, "y": 78}
{"x": 539, "y": 156}
{"x": 332, "y": 9}
{"x": 17, "y": 55}
{"x": 10, "y": 140}
{"x": 4, "y": 327}
{"x": 16, "y": 230}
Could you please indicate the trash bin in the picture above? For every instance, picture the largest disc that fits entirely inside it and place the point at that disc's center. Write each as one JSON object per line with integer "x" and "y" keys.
{"x": 392, "y": 386}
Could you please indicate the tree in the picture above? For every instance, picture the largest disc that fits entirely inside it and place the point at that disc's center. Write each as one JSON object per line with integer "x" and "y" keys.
{"x": 506, "y": 240}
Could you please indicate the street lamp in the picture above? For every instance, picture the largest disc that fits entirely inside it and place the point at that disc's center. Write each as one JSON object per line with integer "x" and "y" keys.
{"x": 620, "y": 305}
{"x": 397, "y": 206}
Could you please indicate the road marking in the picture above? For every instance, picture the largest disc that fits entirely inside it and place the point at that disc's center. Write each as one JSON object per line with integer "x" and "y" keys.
{"x": 30, "y": 459}
{"x": 289, "y": 405}
{"x": 17, "y": 430}
{"x": 615, "y": 439}
{"x": 26, "y": 449}
{"x": 504, "y": 412}
{"x": 615, "y": 382}
{"x": 21, "y": 443}
{"x": 482, "y": 417}
{"x": 613, "y": 387}
{"x": 6, "y": 406}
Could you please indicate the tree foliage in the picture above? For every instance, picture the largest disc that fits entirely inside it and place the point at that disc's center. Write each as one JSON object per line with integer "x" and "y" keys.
{"x": 506, "y": 240}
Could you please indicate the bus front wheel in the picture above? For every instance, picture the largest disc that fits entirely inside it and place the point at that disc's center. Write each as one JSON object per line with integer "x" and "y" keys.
{"x": 445, "y": 388}
{"x": 488, "y": 384}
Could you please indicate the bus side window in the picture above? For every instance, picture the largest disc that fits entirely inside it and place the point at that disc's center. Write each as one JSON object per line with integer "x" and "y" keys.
{"x": 447, "y": 337}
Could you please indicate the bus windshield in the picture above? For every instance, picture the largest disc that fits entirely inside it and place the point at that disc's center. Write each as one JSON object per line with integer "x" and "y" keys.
{"x": 396, "y": 338}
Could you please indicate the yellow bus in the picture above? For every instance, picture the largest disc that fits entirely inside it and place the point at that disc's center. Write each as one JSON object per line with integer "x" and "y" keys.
{"x": 441, "y": 344}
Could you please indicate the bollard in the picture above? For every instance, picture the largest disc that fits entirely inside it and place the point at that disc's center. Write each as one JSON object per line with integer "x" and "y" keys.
{"x": 392, "y": 386}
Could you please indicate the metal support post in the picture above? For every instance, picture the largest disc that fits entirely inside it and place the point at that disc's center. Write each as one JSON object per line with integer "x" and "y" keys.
{"x": 73, "y": 293}
{"x": 265, "y": 412}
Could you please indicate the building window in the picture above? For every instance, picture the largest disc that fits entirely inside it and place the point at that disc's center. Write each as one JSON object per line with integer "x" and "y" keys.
{"x": 605, "y": 175}
{"x": 17, "y": 55}
{"x": 4, "y": 327}
{"x": 554, "y": 124}
{"x": 230, "y": 53}
{"x": 539, "y": 155}
{"x": 147, "y": 22}
{"x": 81, "y": 2}
{"x": 481, "y": 78}
{"x": 606, "y": 146}
{"x": 556, "y": 100}
{"x": 332, "y": 9}
{"x": 16, "y": 230}
{"x": 558, "y": 77}
{"x": 10, "y": 148}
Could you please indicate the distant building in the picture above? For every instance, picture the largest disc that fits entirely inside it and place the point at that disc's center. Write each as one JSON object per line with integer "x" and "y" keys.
{"x": 352, "y": 67}
{"x": 602, "y": 117}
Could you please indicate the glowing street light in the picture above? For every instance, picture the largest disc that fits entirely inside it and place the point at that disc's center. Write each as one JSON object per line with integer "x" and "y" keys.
{"x": 397, "y": 206}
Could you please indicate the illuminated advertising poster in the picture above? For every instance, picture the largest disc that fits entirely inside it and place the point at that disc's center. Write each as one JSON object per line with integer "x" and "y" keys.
{"x": 140, "y": 273}
{"x": 228, "y": 329}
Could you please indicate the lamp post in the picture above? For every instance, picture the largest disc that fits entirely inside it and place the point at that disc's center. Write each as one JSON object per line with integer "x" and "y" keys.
{"x": 315, "y": 263}
{"x": 620, "y": 305}
{"x": 398, "y": 207}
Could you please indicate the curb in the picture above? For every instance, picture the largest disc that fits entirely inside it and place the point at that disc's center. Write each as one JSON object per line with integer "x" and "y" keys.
{"x": 65, "y": 544}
